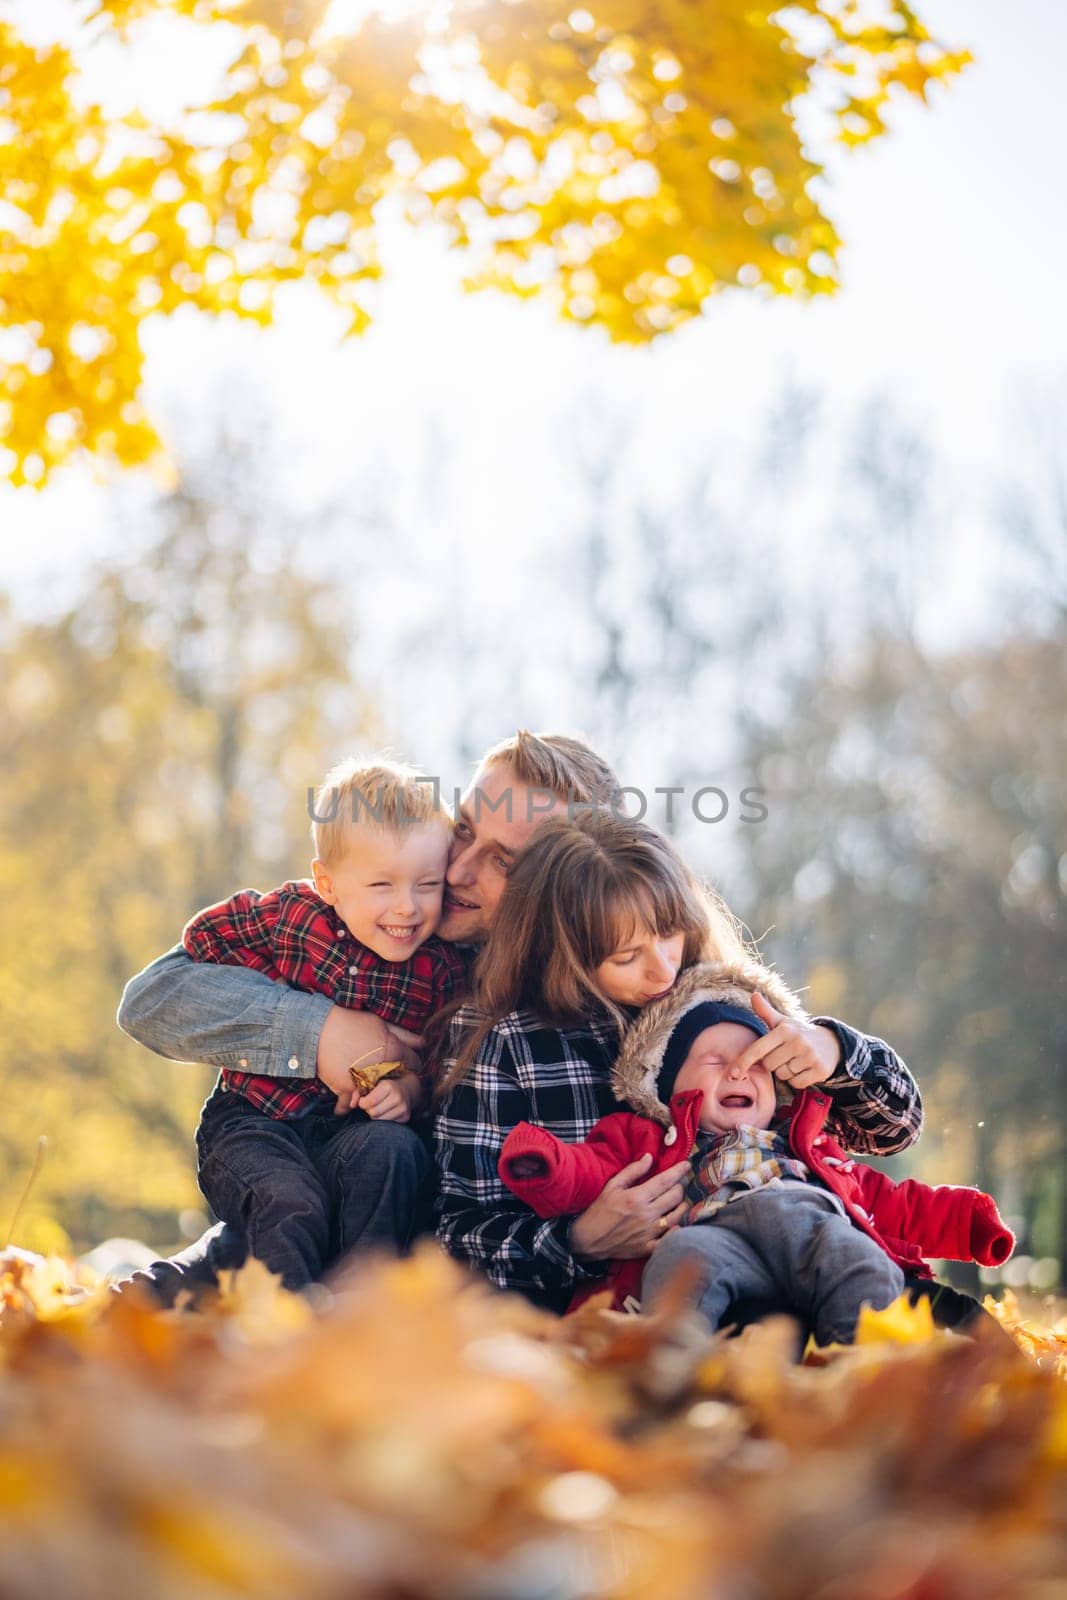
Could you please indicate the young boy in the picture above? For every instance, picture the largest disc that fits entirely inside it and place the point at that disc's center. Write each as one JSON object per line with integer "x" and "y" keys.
{"x": 361, "y": 933}
{"x": 778, "y": 1212}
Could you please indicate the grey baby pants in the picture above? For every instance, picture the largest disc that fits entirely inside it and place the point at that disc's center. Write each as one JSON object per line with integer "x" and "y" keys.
{"x": 789, "y": 1245}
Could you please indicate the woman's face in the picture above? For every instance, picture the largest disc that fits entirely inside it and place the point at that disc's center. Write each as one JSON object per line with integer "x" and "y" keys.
{"x": 642, "y": 968}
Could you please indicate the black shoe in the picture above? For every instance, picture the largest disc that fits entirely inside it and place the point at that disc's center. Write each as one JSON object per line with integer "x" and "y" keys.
{"x": 192, "y": 1272}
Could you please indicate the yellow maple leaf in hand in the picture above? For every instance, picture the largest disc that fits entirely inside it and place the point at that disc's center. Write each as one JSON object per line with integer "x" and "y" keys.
{"x": 899, "y": 1323}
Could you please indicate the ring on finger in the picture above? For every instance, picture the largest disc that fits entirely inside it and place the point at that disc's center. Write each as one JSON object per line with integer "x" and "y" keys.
{"x": 662, "y": 1225}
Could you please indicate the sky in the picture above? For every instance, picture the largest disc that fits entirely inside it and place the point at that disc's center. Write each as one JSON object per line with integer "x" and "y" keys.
{"x": 951, "y": 305}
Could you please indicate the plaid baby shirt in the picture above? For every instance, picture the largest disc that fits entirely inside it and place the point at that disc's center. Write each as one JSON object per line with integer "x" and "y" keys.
{"x": 727, "y": 1165}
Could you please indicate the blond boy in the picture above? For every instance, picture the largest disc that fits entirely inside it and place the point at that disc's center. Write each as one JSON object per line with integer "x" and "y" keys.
{"x": 273, "y": 1152}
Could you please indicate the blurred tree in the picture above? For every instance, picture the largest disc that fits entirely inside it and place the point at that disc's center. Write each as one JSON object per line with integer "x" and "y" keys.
{"x": 915, "y": 864}
{"x": 1034, "y": 507}
{"x": 673, "y": 623}
{"x": 629, "y": 160}
{"x": 159, "y": 738}
{"x": 650, "y": 578}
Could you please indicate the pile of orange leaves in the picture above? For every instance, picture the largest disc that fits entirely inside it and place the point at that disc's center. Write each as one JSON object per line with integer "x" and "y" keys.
{"x": 413, "y": 1435}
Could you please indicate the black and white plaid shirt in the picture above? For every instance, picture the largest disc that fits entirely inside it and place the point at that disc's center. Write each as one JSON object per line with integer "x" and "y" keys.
{"x": 560, "y": 1080}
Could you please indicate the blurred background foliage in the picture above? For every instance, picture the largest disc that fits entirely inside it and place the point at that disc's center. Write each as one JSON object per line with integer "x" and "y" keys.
{"x": 154, "y": 733}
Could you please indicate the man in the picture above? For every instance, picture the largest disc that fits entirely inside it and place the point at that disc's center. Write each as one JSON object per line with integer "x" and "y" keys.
{"x": 235, "y": 1018}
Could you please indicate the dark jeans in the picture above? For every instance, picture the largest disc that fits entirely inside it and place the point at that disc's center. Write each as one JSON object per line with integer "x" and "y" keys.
{"x": 299, "y": 1194}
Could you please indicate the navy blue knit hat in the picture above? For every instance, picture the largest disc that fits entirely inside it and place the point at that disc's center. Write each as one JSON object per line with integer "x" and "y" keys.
{"x": 693, "y": 1022}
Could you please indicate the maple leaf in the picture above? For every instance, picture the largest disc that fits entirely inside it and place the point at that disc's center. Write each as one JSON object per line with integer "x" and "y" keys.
{"x": 1048, "y": 1344}
{"x": 50, "y": 1289}
{"x": 899, "y": 1323}
{"x": 255, "y": 1302}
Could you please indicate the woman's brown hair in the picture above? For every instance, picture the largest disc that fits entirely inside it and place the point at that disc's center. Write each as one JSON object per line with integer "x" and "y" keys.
{"x": 575, "y": 895}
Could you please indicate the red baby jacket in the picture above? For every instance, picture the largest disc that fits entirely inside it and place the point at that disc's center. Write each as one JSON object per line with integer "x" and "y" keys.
{"x": 909, "y": 1220}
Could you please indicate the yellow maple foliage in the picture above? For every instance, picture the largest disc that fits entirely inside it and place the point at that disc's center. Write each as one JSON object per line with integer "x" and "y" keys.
{"x": 49, "y": 1289}
{"x": 628, "y": 160}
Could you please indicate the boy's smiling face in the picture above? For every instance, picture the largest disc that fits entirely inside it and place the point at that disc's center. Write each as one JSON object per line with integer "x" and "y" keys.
{"x": 732, "y": 1095}
{"x": 387, "y": 886}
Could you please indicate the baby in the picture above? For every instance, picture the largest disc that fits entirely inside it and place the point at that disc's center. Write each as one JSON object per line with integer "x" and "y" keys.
{"x": 778, "y": 1213}
{"x": 271, "y": 1149}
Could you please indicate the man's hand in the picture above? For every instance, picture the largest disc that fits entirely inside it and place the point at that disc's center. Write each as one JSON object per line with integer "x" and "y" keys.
{"x": 631, "y": 1213}
{"x": 392, "y": 1100}
{"x": 348, "y": 1036}
{"x": 798, "y": 1053}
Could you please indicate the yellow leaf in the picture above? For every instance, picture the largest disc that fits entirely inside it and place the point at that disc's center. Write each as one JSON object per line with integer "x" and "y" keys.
{"x": 259, "y": 1307}
{"x": 51, "y": 1289}
{"x": 899, "y": 1323}
{"x": 1055, "y": 1452}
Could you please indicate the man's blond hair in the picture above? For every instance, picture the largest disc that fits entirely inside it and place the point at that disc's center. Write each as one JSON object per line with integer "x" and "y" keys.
{"x": 381, "y": 795}
{"x": 565, "y": 767}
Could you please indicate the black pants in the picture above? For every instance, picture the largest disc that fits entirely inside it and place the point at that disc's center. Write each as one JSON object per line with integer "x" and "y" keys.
{"x": 951, "y": 1308}
{"x": 308, "y": 1190}
{"x": 300, "y": 1194}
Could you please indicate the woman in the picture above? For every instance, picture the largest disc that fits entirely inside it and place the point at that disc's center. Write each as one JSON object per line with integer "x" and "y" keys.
{"x": 598, "y": 918}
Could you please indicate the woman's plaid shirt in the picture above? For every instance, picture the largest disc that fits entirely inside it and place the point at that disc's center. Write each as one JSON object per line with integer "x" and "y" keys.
{"x": 560, "y": 1080}
{"x": 295, "y": 937}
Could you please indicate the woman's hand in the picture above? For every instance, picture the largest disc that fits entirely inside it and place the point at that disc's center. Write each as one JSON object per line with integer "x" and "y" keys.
{"x": 631, "y": 1213}
{"x": 798, "y": 1053}
{"x": 392, "y": 1100}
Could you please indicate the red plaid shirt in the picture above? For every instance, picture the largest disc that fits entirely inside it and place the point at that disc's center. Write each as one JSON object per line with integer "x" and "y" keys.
{"x": 295, "y": 937}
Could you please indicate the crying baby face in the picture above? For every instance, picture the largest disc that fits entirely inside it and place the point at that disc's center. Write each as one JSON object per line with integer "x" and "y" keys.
{"x": 734, "y": 1091}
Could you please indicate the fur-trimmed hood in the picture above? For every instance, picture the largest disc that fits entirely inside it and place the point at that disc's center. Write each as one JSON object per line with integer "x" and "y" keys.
{"x": 637, "y": 1069}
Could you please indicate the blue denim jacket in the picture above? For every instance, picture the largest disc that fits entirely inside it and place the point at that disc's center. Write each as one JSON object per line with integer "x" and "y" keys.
{"x": 227, "y": 1016}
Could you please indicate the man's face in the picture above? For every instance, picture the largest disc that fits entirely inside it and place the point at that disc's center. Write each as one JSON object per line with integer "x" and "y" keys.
{"x": 498, "y": 816}
{"x": 732, "y": 1094}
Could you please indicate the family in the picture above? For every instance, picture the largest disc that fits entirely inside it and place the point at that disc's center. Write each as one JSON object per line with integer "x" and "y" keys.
{"x": 615, "y": 1087}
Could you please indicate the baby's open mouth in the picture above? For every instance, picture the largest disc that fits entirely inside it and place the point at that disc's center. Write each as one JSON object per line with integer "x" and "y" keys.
{"x": 737, "y": 1101}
